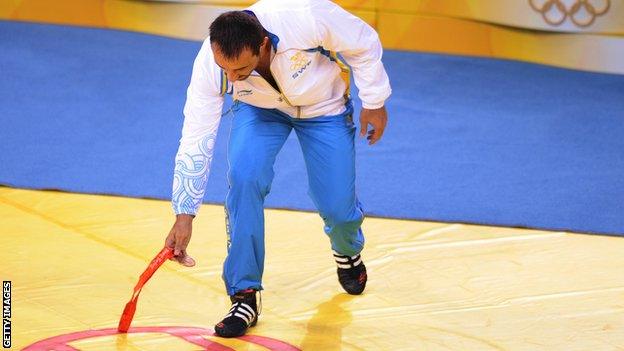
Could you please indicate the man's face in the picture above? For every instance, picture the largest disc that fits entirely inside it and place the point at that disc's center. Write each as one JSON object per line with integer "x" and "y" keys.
{"x": 238, "y": 68}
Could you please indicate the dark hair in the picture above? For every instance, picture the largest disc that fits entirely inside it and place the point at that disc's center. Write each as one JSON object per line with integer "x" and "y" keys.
{"x": 236, "y": 30}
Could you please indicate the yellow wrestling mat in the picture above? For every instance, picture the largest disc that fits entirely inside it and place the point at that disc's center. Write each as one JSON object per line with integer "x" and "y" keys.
{"x": 74, "y": 259}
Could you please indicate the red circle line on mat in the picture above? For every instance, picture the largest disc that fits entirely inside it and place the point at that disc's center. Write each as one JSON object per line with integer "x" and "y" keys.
{"x": 192, "y": 335}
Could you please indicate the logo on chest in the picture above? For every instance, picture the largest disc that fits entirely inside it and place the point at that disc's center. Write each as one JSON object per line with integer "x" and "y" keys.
{"x": 299, "y": 63}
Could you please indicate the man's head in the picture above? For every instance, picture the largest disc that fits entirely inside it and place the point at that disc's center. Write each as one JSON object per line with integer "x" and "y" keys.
{"x": 237, "y": 40}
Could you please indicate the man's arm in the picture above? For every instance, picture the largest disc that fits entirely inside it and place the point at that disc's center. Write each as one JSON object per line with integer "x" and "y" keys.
{"x": 202, "y": 114}
{"x": 359, "y": 44}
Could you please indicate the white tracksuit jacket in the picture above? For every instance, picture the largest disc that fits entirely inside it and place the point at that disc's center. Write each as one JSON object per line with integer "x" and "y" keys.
{"x": 313, "y": 81}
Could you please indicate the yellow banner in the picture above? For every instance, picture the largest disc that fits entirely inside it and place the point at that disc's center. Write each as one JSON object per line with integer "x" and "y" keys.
{"x": 580, "y": 34}
{"x": 595, "y": 16}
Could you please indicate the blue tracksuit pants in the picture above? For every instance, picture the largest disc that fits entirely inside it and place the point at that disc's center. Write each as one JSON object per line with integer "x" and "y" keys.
{"x": 257, "y": 135}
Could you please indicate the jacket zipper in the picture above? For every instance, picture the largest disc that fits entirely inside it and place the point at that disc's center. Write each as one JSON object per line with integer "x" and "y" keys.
{"x": 280, "y": 91}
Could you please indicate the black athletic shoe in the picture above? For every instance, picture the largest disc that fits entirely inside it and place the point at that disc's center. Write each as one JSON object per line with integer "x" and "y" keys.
{"x": 351, "y": 273}
{"x": 243, "y": 315}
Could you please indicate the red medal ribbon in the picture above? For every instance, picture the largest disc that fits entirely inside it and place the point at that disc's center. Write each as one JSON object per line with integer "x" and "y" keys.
{"x": 128, "y": 312}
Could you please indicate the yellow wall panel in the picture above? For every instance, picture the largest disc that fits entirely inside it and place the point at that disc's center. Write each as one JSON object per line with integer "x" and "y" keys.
{"x": 7, "y": 8}
{"x": 456, "y": 36}
{"x": 584, "y": 51}
{"x": 607, "y": 19}
{"x": 358, "y": 4}
{"x": 349, "y": 4}
{"x": 421, "y": 7}
{"x": 369, "y": 17}
{"x": 468, "y": 27}
{"x": 437, "y": 34}
{"x": 169, "y": 19}
{"x": 78, "y": 12}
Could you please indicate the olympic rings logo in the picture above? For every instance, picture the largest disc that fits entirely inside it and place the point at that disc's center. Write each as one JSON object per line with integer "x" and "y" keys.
{"x": 582, "y": 13}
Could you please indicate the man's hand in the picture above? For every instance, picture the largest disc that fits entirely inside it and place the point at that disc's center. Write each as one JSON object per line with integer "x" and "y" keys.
{"x": 178, "y": 239}
{"x": 377, "y": 118}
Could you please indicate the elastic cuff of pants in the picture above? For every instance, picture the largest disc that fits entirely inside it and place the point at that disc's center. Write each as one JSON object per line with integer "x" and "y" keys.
{"x": 234, "y": 291}
{"x": 341, "y": 254}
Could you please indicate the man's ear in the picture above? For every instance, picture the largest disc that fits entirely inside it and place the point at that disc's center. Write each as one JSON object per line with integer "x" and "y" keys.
{"x": 266, "y": 41}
